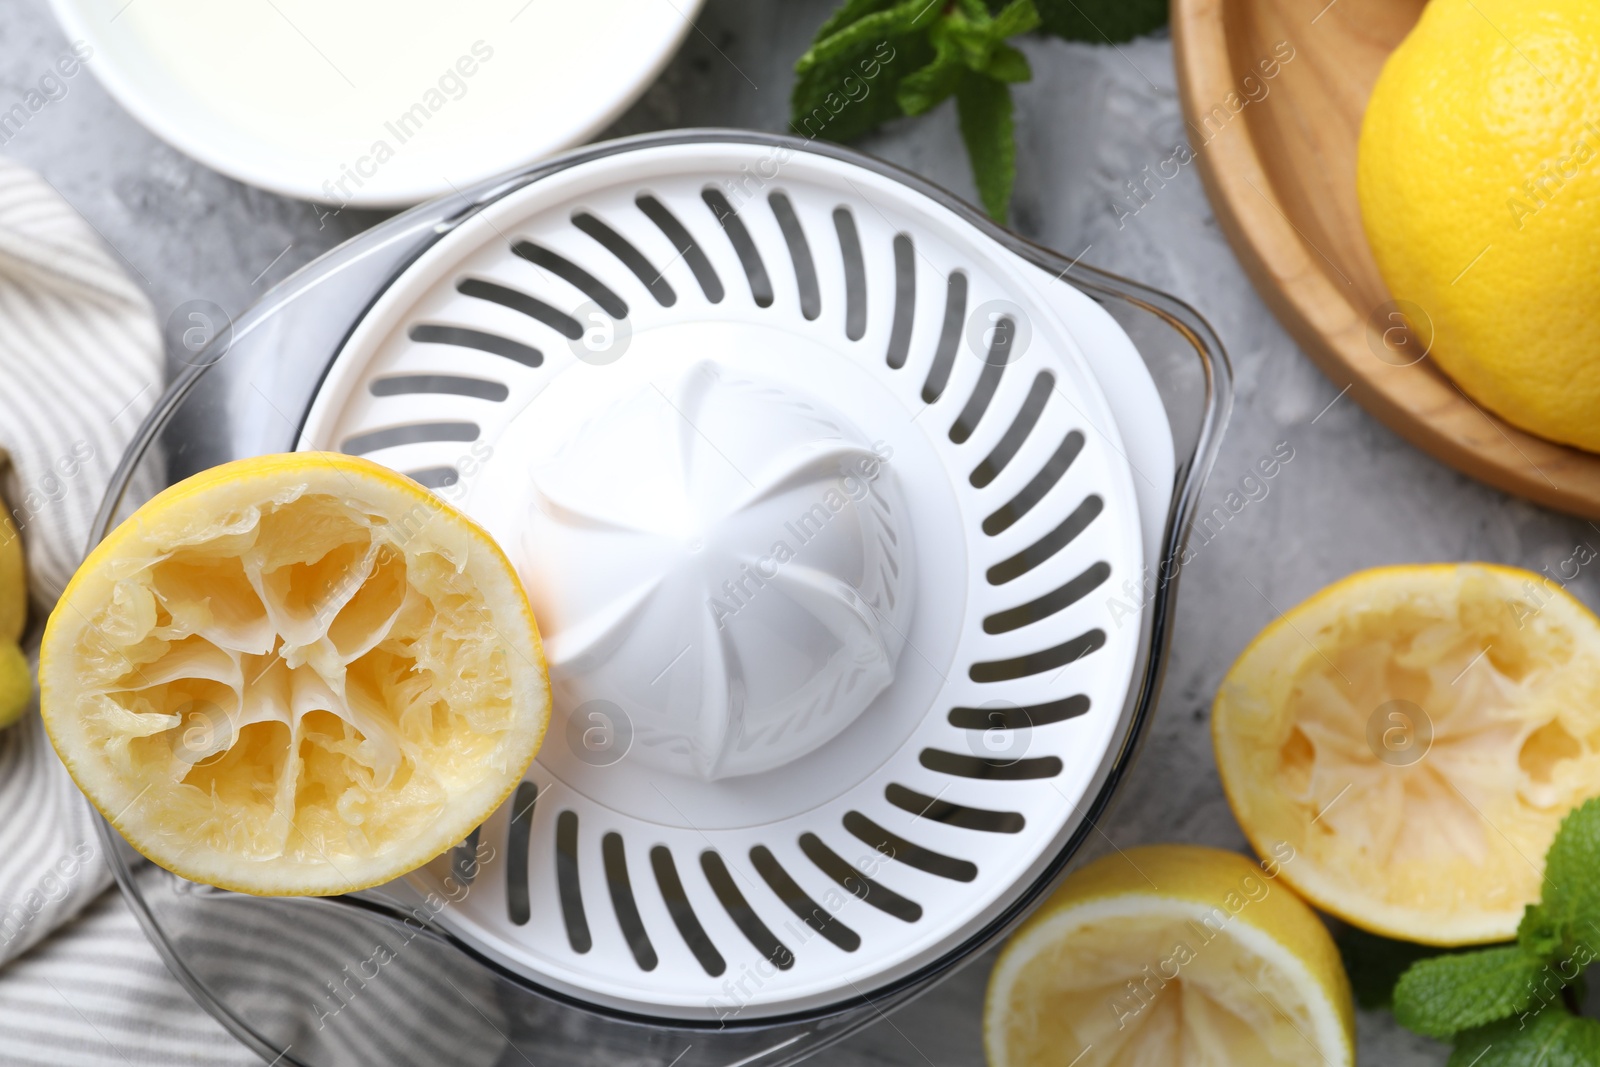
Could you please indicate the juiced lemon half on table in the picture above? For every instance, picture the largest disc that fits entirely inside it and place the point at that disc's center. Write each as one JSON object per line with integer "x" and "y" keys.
{"x": 295, "y": 674}
{"x": 1173, "y": 955}
{"x": 1416, "y": 733}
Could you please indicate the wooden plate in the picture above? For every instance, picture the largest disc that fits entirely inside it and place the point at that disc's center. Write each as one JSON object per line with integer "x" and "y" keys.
{"x": 1275, "y": 142}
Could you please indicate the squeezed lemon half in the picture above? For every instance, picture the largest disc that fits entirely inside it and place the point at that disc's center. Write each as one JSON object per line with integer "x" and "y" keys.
{"x": 1174, "y": 955}
{"x": 295, "y": 674}
{"x": 1416, "y": 733}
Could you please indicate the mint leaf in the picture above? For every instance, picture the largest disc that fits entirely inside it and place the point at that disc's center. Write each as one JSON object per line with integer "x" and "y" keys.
{"x": 850, "y": 13}
{"x": 974, "y": 41}
{"x": 1007, "y": 64}
{"x": 1506, "y": 1005}
{"x": 1375, "y": 964}
{"x": 901, "y": 20}
{"x": 1101, "y": 20}
{"x": 977, "y": 35}
{"x": 925, "y": 88}
{"x": 1552, "y": 1038}
{"x": 847, "y": 82}
{"x": 876, "y": 59}
{"x": 983, "y": 106}
{"x": 1442, "y": 996}
{"x": 969, "y": 38}
{"x": 1572, "y": 878}
{"x": 1540, "y": 934}
{"x": 1019, "y": 16}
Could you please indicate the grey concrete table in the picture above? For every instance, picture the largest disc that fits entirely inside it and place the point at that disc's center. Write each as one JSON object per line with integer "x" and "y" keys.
{"x": 1353, "y": 496}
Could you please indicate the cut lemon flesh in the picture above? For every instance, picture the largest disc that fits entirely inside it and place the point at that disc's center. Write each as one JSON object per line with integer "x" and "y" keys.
{"x": 1170, "y": 955}
{"x": 296, "y": 674}
{"x": 1416, "y": 733}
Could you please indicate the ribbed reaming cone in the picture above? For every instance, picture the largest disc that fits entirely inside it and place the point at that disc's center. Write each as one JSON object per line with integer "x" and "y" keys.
{"x": 727, "y": 564}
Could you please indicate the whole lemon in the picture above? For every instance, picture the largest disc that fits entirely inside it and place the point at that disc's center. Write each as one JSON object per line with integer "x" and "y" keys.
{"x": 1479, "y": 180}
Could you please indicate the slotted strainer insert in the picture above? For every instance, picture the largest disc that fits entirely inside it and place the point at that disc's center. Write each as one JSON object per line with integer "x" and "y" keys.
{"x": 821, "y": 507}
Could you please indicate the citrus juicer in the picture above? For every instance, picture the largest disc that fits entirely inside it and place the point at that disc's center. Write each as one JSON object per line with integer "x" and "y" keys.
{"x": 851, "y": 522}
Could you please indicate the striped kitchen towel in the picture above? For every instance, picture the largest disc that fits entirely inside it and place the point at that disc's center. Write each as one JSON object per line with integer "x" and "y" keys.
{"x": 80, "y": 366}
{"x": 80, "y": 986}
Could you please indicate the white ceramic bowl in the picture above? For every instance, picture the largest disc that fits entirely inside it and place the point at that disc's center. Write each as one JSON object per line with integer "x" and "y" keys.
{"x": 375, "y": 103}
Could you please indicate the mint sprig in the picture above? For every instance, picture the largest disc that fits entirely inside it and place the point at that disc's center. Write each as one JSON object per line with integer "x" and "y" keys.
{"x": 984, "y": 107}
{"x": 1445, "y": 995}
{"x": 846, "y": 82}
{"x": 1510, "y": 1005}
{"x": 875, "y": 60}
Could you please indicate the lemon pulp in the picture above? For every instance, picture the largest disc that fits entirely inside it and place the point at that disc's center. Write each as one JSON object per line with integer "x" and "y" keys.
{"x": 1417, "y": 733}
{"x": 295, "y": 674}
{"x": 1170, "y": 954}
